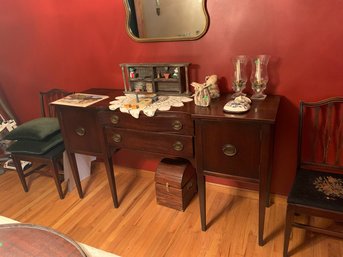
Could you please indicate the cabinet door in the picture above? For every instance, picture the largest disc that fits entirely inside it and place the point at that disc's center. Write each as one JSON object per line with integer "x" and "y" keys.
{"x": 80, "y": 130}
{"x": 229, "y": 148}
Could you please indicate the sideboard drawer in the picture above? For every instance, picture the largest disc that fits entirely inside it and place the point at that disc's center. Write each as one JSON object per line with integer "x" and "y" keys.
{"x": 169, "y": 122}
{"x": 230, "y": 148}
{"x": 80, "y": 130}
{"x": 161, "y": 143}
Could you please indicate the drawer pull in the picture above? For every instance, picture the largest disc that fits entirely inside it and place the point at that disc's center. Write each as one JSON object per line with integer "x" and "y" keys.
{"x": 189, "y": 186}
{"x": 178, "y": 146}
{"x": 177, "y": 125}
{"x": 229, "y": 150}
{"x": 116, "y": 138}
{"x": 80, "y": 131}
{"x": 115, "y": 119}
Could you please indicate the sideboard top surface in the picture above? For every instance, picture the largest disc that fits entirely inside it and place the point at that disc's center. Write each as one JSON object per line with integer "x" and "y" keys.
{"x": 261, "y": 111}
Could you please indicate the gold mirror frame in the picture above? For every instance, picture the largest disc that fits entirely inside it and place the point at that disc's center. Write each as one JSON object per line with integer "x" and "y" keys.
{"x": 182, "y": 37}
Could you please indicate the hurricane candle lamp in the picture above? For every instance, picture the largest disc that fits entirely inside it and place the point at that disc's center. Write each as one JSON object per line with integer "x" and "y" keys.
{"x": 259, "y": 76}
{"x": 239, "y": 75}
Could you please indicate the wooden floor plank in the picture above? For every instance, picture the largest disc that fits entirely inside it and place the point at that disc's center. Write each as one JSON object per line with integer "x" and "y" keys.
{"x": 141, "y": 227}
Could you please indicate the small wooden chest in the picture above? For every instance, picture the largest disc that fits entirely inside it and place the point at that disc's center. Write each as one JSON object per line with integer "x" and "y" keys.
{"x": 175, "y": 182}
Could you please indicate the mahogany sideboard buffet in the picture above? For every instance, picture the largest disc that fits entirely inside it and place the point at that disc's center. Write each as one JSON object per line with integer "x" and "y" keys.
{"x": 236, "y": 146}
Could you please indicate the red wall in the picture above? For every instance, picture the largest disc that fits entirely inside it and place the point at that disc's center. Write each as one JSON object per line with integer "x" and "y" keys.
{"x": 79, "y": 44}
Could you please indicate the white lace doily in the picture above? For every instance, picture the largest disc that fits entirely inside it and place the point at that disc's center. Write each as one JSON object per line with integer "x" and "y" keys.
{"x": 164, "y": 103}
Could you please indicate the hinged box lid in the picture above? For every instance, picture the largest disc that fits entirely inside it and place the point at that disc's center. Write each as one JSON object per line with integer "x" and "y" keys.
{"x": 176, "y": 172}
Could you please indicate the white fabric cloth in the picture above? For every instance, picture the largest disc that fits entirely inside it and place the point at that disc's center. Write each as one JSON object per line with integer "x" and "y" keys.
{"x": 83, "y": 165}
{"x": 164, "y": 103}
{"x": 89, "y": 250}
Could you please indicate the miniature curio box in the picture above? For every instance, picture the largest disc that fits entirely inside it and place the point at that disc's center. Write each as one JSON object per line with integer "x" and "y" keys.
{"x": 155, "y": 78}
{"x": 175, "y": 182}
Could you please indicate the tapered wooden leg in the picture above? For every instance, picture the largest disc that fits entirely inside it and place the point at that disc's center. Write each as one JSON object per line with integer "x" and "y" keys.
{"x": 266, "y": 136}
{"x": 20, "y": 172}
{"x": 76, "y": 176}
{"x": 288, "y": 228}
{"x": 261, "y": 215}
{"x": 202, "y": 199}
{"x": 111, "y": 180}
{"x": 269, "y": 175}
{"x": 54, "y": 169}
{"x": 269, "y": 166}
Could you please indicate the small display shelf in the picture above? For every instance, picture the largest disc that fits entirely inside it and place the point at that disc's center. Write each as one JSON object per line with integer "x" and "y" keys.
{"x": 158, "y": 78}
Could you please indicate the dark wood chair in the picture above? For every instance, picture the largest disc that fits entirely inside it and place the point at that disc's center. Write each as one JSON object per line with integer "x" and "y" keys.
{"x": 46, "y": 98}
{"x": 317, "y": 190}
{"x": 25, "y": 150}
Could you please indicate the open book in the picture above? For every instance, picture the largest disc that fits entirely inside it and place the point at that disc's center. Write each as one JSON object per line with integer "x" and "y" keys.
{"x": 80, "y": 99}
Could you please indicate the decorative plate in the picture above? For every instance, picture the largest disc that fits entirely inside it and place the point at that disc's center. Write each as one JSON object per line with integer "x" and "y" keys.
{"x": 234, "y": 107}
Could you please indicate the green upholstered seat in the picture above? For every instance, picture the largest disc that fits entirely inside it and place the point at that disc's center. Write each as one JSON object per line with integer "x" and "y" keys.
{"x": 38, "y": 129}
{"x": 36, "y": 147}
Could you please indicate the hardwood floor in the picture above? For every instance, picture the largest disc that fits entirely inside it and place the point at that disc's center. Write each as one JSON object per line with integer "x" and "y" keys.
{"x": 140, "y": 227}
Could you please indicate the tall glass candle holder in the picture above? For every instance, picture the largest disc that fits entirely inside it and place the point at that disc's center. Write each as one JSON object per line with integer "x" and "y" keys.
{"x": 259, "y": 76}
{"x": 239, "y": 75}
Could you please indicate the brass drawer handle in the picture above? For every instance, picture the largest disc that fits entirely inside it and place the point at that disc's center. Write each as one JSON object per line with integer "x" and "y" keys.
{"x": 80, "y": 131}
{"x": 177, "y": 125}
{"x": 189, "y": 186}
{"x": 229, "y": 150}
{"x": 115, "y": 119}
{"x": 178, "y": 146}
{"x": 116, "y": 138}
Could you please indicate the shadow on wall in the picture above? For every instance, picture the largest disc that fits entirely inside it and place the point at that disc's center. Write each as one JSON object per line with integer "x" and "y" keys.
{"x": 284, "y": 165}
{"x": 274, "y": 75}
{"x": 5, "y": 108}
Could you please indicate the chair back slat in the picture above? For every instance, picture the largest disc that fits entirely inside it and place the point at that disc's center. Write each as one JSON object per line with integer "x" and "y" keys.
{"x": 328, "y": 132}
{"x": 340, "y": 141}
{"x": 315, "y": 136}
{"x": 320, "y": 134}
{"x": 48, "y": 110}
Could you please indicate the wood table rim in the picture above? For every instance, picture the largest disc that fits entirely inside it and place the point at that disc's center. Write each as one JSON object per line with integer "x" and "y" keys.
{"x": 46, "y": 229}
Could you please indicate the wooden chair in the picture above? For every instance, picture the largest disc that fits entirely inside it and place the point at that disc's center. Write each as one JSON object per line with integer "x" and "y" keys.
{"x": 46, "y": 98}
{"x": 28, "y": 149}
{"x": 317, "y": 190}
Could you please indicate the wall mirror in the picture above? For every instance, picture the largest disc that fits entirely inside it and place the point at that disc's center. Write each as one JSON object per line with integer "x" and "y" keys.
{"x": 166, "y": 20}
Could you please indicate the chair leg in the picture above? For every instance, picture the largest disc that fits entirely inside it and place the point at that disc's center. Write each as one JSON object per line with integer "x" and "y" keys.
{"x": 20, "y": 172}
{"x": 54, "y": 169}
{"x": 288, "y": 228}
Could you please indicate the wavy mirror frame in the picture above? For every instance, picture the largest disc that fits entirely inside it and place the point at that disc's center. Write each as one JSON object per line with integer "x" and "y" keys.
{"x": 130, "y": 13}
